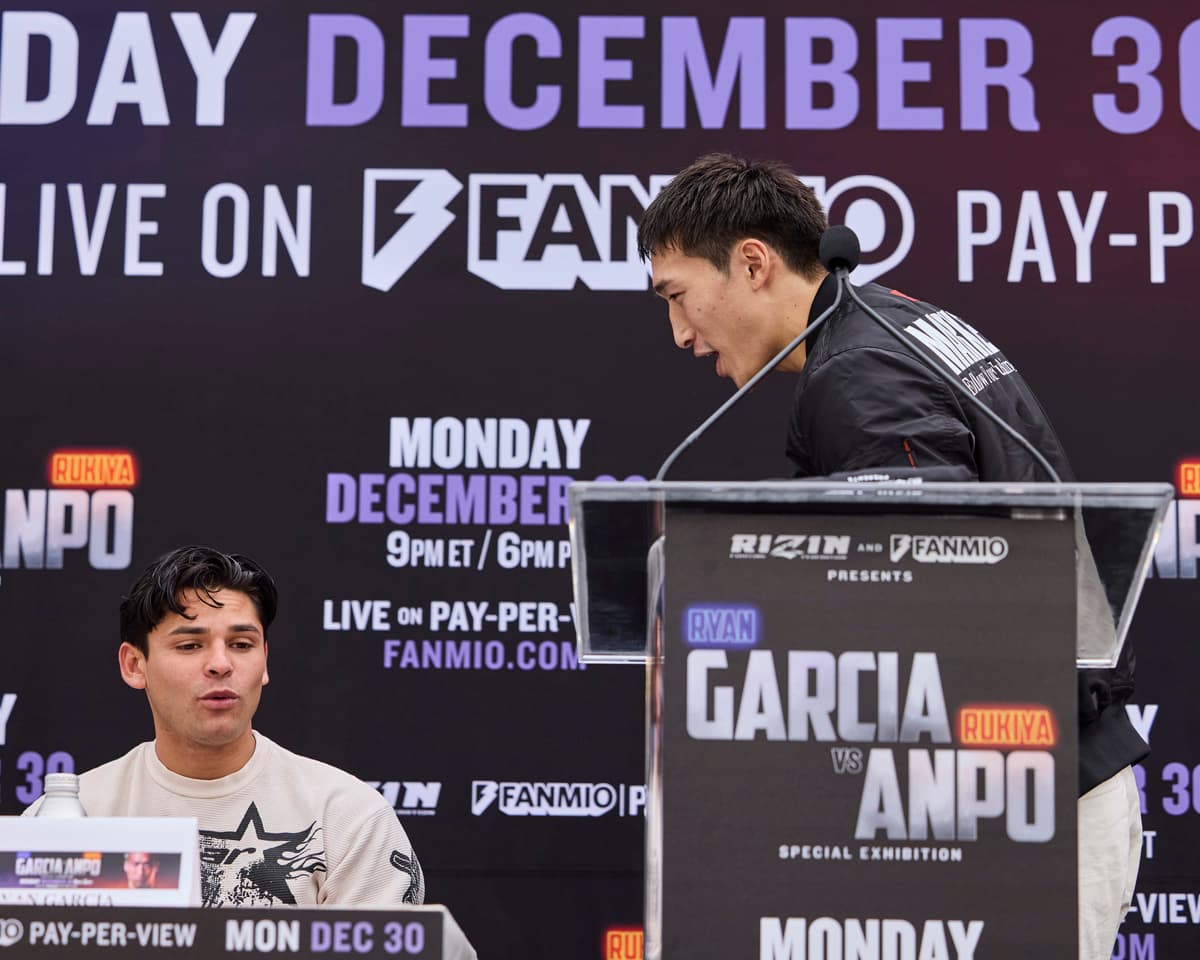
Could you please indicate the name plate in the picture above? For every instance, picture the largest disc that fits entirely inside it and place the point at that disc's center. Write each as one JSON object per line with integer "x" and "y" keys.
{"x": 99, "y": 861}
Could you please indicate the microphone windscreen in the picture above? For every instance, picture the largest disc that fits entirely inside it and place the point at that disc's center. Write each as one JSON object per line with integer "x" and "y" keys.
{"x": 839, "y": 248}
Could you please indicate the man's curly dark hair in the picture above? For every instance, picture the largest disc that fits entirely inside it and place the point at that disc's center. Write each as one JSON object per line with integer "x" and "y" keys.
{"x": 202, "y": 570}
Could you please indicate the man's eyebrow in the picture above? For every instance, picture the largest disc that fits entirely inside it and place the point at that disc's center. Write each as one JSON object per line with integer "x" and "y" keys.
{"x": 661, "y": 286}
{"x": 189, "y": 630}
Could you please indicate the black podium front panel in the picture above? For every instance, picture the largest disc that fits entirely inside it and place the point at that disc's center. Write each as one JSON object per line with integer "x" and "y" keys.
{"x": 82, "y": 928}
{"x": 869, "y": 736}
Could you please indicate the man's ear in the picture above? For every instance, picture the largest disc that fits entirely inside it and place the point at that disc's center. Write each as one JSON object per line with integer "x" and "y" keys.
{"x": 755, "y": 260}
{"x": 132, "y": 662}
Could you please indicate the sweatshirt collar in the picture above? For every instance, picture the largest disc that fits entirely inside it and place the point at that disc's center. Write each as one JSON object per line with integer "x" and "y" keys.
{"x": 207, "y": 789}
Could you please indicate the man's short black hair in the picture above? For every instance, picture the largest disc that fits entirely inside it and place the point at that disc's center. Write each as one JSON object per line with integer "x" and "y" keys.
{"x": 203, "y": 570}
{"x": 720, "y": 199}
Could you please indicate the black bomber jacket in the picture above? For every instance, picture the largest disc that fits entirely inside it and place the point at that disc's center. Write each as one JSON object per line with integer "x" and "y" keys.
{"x": 866, "y": 404}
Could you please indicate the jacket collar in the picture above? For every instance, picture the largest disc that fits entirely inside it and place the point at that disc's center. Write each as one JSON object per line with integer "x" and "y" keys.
{"x": 826, "y": 293}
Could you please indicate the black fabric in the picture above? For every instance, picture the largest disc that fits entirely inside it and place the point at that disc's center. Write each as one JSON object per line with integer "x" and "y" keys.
{"x": 865, "y": 402}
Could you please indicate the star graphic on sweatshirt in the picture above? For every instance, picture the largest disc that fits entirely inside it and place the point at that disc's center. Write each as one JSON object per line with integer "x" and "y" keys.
{"x": 253, "y": 866}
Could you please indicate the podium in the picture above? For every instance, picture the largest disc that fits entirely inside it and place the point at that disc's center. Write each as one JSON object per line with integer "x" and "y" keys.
{"x": 861, "y": 717}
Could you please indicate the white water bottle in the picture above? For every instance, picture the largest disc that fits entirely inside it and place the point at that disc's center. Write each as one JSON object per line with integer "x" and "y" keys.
{"x": 62, "y": 796}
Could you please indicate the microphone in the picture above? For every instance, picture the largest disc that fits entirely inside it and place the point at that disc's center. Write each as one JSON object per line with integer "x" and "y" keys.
{"x": 839, "y": 250}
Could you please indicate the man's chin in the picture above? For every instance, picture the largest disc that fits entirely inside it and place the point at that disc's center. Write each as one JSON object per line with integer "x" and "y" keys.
{"x": 221, "y": 733}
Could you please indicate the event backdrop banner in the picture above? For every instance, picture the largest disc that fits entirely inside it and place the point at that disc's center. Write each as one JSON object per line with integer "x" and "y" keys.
{"x": 352, "y": 288}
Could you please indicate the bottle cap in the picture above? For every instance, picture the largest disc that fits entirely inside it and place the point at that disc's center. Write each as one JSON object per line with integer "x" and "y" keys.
{"x": 62, "y": 781}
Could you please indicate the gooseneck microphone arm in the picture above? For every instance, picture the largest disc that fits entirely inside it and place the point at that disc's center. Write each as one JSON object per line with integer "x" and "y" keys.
{"x": 843, "y": 250}
{"x": 749, "y": 385}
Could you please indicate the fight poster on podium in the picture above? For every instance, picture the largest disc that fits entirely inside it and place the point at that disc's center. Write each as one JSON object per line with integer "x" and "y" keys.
{"x": 869, "y": 736}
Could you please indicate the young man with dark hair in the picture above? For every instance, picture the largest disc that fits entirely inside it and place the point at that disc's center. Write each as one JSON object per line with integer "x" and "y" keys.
{"x": 733, "y": 246}
{"x": 275, "y": 827}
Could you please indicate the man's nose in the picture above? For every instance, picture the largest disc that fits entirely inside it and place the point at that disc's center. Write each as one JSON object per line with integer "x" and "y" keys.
{"x": 684, "y": 335}
{"x": 219, "y": 664}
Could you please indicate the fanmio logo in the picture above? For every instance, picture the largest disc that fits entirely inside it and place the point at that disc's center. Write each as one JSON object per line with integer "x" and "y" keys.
{"x": 533, "y": 231}
{"x": 931, "y": 548}
{"x": 523, "y": 798}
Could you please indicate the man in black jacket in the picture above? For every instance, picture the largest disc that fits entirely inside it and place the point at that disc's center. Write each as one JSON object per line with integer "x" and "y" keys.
{"x": 734, "y": 250}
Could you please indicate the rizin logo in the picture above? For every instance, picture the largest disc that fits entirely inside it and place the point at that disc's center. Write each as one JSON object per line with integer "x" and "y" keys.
{"x": 789, "y": 546}
{"x": 927, "y": 548}
{"x": 524, "y": 798}
{"x": 11, "y": 931}
{"x": 410, "y": 798}
{"x": 528, "y": 231}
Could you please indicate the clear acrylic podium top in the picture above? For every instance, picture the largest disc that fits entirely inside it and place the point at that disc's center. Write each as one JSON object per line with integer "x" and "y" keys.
{"x": 617, "y": 543}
